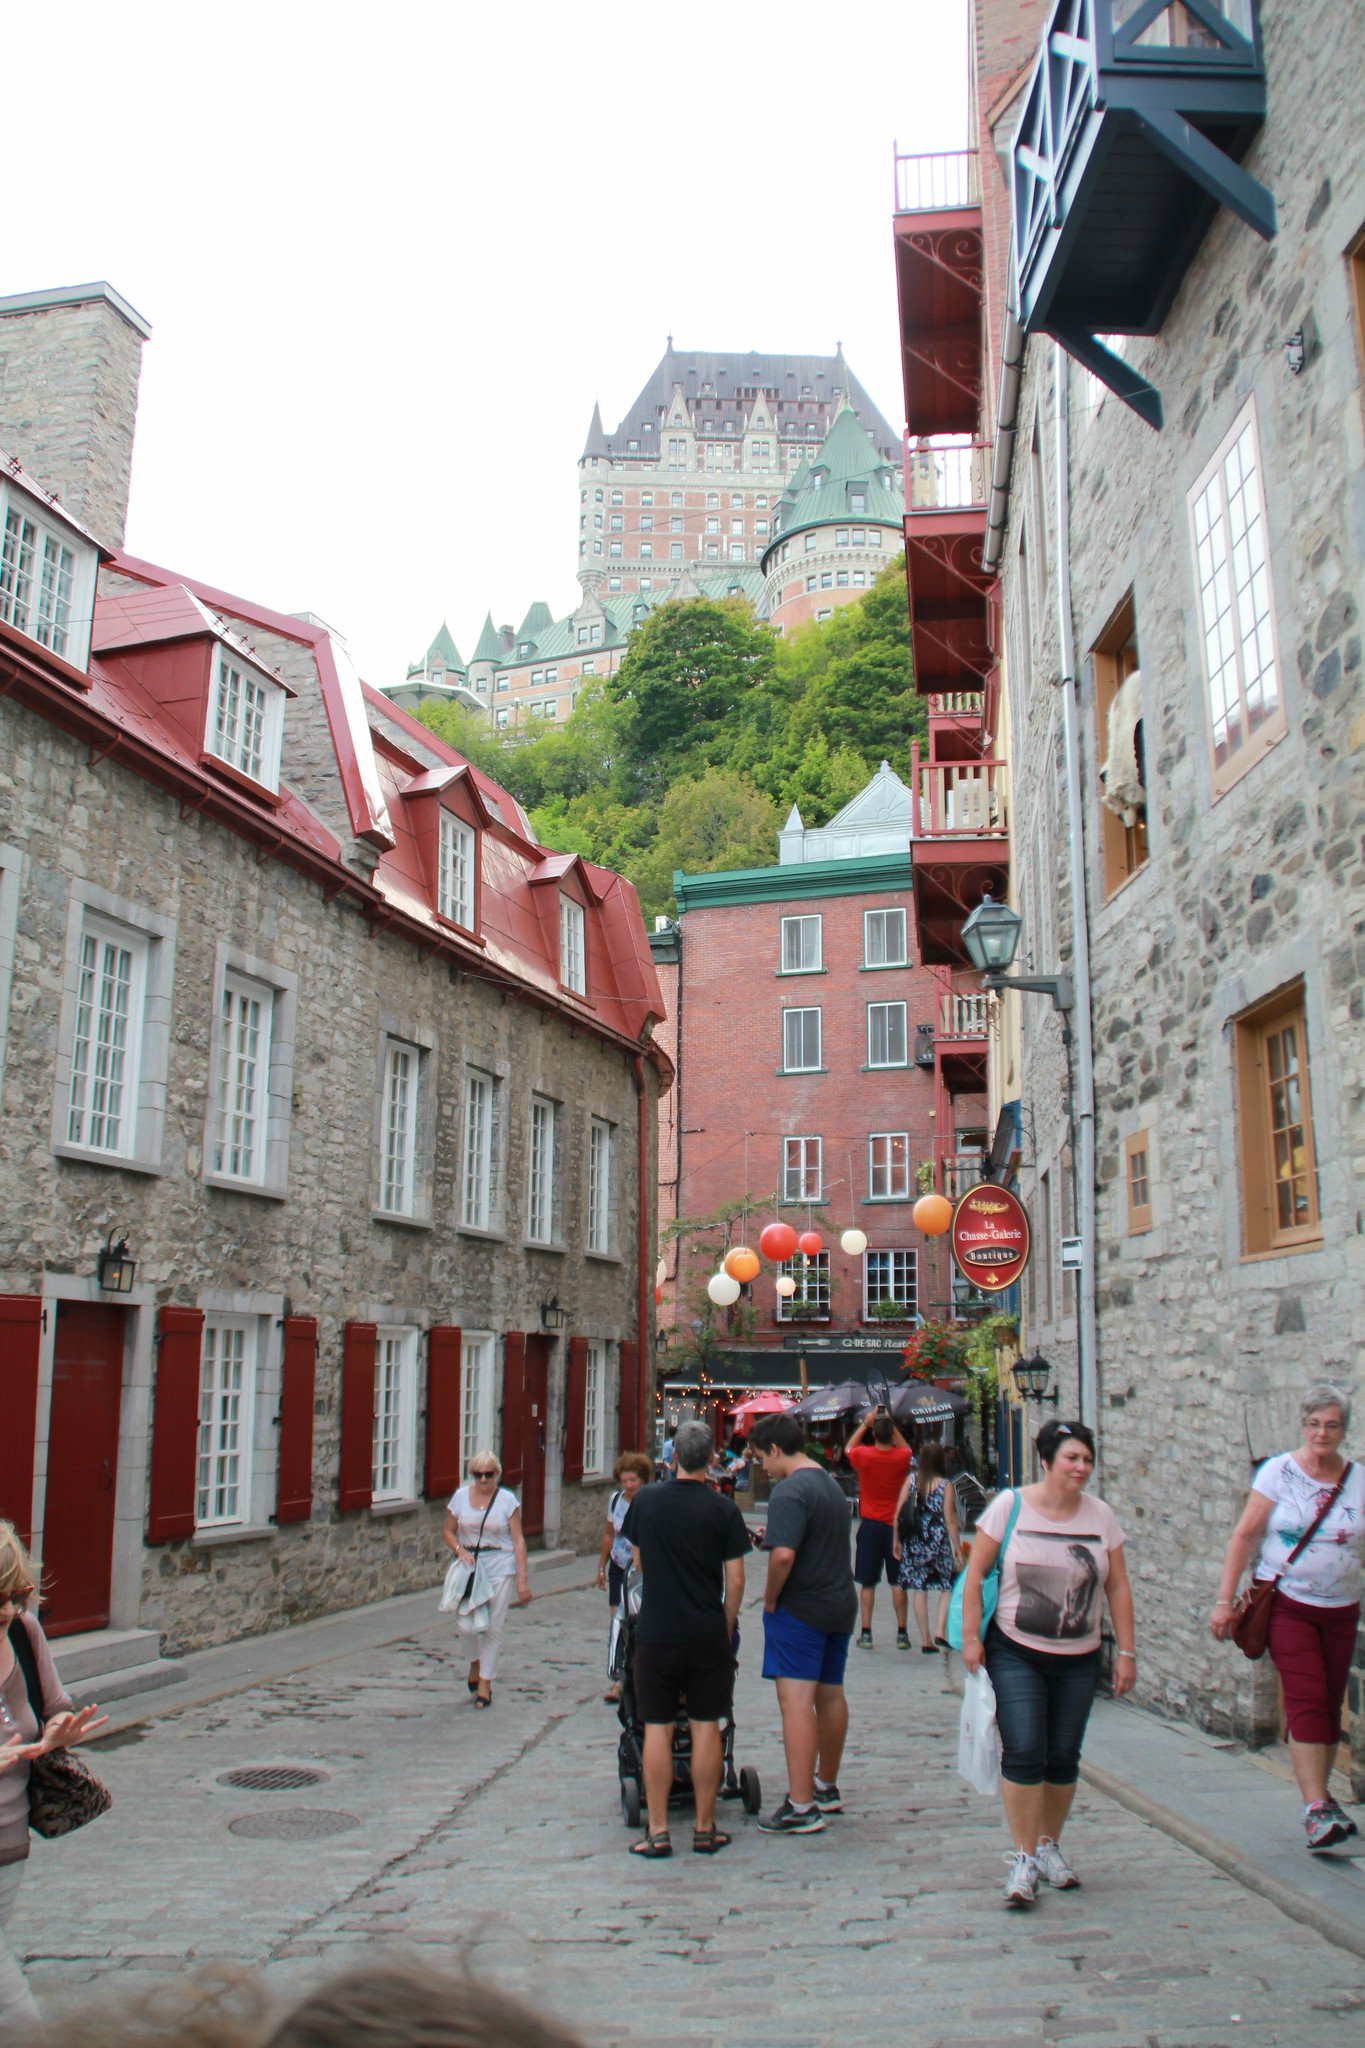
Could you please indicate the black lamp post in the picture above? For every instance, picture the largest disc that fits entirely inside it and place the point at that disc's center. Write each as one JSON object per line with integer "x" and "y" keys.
{"x": 115, "y": 1267}
{"x": 991, "y": 937}
{"x": 1031, "y": 1376}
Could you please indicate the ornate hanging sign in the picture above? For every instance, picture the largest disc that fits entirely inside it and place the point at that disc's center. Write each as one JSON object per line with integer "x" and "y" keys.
{"x": 990, "y": 1237}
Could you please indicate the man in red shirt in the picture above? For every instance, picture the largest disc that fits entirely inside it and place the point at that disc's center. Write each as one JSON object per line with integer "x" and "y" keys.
{"x": 881, "y": 1467}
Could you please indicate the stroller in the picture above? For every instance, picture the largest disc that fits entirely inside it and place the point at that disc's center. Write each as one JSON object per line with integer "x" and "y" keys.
{"x": 630, "y": 1750}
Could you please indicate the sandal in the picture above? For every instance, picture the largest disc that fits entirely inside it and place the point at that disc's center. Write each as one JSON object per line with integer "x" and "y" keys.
{"x": 483, "y": 1699}
{"x": 653, "y": 1845}
{"x": 706, "y": 1841}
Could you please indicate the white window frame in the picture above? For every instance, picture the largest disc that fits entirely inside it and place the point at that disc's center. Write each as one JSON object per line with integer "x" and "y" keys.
{"x": 801, "y": 946}
{"x": 908, "y": 1279}
{"x": 540, "y": 1170}
{"x": 106, "y": 1045}
{"x": 235, "y": 1117}
{"x": 395, "y": 1414}
{"x": 478, "y": 1393}
{"x": 885, "y": 1012}
{"x": 63, "y": 623}
{"x": 884, "y": 1169}
{"x": 457, "y": 850}
{"x": 398, "y": 1158}
{"x": 476, "y": 1158}
{"x": 227, "y": 1422}
{"x": 806, "y": 1272}
{"x": 573, "y": 957}
{"x": 795, "y": 1035}
{"x": 249, "y": 743}
{"x": 595, "y": 1409}
{"x": 1234, "y": 591}
{"x": 404, "y": 1150}
{"x": 601, "y": 1146}
{"x": 803, "y": 1175}
{"x": 153, "y": 936}
{"x": 884, "y": 921}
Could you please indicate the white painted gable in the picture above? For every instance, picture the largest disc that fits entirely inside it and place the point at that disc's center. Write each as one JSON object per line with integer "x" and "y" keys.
{"x": 876, "y": 821}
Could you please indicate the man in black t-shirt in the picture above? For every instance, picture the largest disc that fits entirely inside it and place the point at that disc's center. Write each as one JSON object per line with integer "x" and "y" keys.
{"x": 690, "y": 1545}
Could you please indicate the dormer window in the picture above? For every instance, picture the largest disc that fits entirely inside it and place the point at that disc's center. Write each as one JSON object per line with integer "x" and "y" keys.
{"x": 455, "y": 871}
{"x": 246, "y": 720}
{"x": 47, "y": 578}
{"x": 857, "y": 502}
{"x": 572, "y": 969}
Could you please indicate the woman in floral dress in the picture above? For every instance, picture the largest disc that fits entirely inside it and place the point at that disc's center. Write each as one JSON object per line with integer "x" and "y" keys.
{"x": 930, "y": 1553}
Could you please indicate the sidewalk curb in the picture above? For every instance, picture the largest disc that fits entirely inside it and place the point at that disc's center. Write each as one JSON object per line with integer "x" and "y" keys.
{"x": 1296, "y": 1904}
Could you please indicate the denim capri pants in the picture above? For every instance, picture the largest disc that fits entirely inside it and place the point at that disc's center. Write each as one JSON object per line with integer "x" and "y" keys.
{"x": 1042, "y": 1703}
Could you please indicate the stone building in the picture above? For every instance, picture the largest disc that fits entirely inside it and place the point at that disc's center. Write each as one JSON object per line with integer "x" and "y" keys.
{"x": 813, "y": 1046}
{"x": 1169, "y": 550}
{"x": 299, "y": 1020}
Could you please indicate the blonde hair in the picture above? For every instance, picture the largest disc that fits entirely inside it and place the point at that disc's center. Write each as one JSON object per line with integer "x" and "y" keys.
{"x": 484, "y": 1458}
{"x": 16, "y": 1566}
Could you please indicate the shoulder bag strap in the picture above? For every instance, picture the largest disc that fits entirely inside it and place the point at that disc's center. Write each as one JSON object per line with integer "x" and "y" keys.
{"x": 22, "y": 1645}
{"x": 1009, "y": 1528}
{"x": 484, "y": 1523}
{"x": 1323, "y": 1512}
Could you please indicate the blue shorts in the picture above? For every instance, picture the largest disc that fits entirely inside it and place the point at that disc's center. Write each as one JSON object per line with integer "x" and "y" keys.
{"x": 793, "y": 1649}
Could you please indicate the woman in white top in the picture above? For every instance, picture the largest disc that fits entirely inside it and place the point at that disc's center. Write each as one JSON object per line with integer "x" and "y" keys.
{"x": 483, "y": 1520}
{"x": 1316, "y": 1613}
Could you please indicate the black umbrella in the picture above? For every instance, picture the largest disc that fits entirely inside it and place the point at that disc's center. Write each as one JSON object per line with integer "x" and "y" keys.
{"x": 918, "y": 1401}
{"x": 826, "y": 1403}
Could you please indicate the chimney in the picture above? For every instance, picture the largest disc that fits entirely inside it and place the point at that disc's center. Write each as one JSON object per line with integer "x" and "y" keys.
{"x": 69, "y": 368}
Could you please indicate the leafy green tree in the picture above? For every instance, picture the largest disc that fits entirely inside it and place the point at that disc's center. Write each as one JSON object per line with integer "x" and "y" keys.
{"x": 718, "y": 821}
{"x": 688, "y": 669}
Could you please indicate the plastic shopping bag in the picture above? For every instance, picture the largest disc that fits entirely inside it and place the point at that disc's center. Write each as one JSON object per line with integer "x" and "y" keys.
{"x": 978, "y": 1753}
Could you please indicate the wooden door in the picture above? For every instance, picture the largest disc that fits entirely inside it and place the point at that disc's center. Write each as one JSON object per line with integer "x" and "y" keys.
{"x": 535, "y": 1392}
{"x": 82, "y": 1467}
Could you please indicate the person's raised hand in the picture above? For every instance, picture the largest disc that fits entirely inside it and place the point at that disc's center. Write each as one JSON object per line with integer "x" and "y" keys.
{"x": 64, "y": 1730}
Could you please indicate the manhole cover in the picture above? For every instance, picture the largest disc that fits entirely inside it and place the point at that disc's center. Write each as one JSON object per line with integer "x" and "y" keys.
{"x": 293, "y": 1824}
{"x": 273, "y": 1778}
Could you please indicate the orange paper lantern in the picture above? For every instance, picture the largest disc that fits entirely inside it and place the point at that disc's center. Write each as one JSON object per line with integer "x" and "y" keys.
{"x": 810, "y": 1242}
{"x": 777, "y": 1242}
{"x": 658, "y": 1296}
{"x": 933, "y": 1214}
{"x": 741, "y": 1264}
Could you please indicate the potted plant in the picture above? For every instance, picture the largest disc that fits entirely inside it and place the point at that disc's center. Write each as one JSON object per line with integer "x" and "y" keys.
{"x": 887, "y": 1311}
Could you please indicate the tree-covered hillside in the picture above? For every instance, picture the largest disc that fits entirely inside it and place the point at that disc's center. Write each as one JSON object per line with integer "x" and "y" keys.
{"x": 691, "y": 755}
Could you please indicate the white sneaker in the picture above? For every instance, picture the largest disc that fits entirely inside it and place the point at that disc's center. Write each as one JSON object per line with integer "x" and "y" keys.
{"x": 1021, "y": 1886}
{"x": 1053, "y": 1867}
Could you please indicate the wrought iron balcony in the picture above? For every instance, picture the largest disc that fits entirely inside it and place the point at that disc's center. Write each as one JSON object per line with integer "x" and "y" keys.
{"x": 938, "y": 183}
{"x": 947, "y": 483}
{"x": 939, "y": 283}
{"x": 1135, "y": 121}
{"x": 961, "y": 799}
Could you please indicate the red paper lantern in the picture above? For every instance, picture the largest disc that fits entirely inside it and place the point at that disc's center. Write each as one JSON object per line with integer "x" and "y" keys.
{"x": 810, "y": 1242}
{"x": 741, "y": 1264}
{"x": 777, "y": 1242}
{"x": 933, "y": 1214}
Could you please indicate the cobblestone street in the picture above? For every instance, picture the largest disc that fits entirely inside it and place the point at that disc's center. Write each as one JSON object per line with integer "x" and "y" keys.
{"x": 495, "y": 1841}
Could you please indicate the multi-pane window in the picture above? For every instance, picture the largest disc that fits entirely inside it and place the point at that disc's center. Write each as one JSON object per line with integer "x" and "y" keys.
{"x": 599, "y": 1186}
{"x": 540, "y": 1171}
{"x": 801, "y": 1041}
{"x": 476, "y": 1198}
{"x": 402, "y": 1066}
{"x": 395, "y": 1418}
{"x": 886, "y": 1034}
{"x": 1279, "y": 1164}
{"x": 800, "y": 945}
{"x": 572, "y": 965}
{"x": 811, "y": 1299}
{"x": 243, "y": 727}
{"x": 476, "y": 1395}
{"x": 883, "y": 938}
{"x": 455, "y": 873}
{"x": 890, "y": 1285}
{"x": 226, "y": 1388}
{"x": 594, "y": 1407}
{"x": 888, "y": 1166}
{"x": 37, "y": 581}
{"x": 801, "y": 1170}
{"x": 1227, "y": 511}
{"x": 102, "y": 1112}
{"x": 1137, "y": 1175}
{"x": 243, "y": 1073}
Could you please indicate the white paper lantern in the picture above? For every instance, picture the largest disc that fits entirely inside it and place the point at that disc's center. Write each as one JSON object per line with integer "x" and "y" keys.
{"x": 854, "y": 1243}
{"x": 786, "y": 1287}
{"x": 722, "y": 1289}
{"x": 660, "y": 1274}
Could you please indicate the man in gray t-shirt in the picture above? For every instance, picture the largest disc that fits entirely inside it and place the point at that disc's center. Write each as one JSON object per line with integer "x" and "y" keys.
{"x": 809, "y": 1608}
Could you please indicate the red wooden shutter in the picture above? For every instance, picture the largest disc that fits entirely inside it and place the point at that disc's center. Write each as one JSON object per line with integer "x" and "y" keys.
{"x": 443, "y": 1413}
{"x": 21, "y": 1329}
{"x": 630, "y": 1396}
{"x": 294, "y": 1488}
{"x": 513, "y": 1408}
{"x": 575, "y": 1407}
{"x": 355, "y": 1478}
{"x": 175, "y": 1423}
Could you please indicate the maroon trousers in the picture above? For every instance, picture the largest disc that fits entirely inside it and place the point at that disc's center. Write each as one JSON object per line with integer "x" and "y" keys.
{"x": 1311, "y": 1649}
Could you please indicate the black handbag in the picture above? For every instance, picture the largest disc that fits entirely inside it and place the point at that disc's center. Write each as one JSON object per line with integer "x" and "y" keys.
{"x": 911, "y": 1518}
{"x": 63, "y": 1792}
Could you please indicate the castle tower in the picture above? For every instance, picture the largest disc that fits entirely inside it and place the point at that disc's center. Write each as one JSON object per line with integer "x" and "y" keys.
{"x": 841, "y": 520}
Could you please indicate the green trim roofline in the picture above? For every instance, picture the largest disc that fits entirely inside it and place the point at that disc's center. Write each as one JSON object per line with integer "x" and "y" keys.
{"x": 862, "y": 876}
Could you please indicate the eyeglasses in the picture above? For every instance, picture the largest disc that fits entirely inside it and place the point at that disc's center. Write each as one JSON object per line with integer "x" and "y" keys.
{"x": 483, "y": 1471}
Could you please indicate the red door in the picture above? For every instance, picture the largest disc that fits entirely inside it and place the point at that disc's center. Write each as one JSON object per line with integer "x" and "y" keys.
{"x": 82, "y": 1467}
{"x": 535, "y": 1390}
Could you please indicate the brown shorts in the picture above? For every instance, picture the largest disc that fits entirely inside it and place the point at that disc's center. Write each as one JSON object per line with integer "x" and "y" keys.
{"x": 698, "y": 1677}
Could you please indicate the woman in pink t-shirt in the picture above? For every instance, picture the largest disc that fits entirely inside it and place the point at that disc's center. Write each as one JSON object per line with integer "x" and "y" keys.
{"x": 1062, "y": 1560}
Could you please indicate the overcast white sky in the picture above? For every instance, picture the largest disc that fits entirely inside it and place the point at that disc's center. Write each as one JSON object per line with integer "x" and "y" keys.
{"x": 392, "y": 255}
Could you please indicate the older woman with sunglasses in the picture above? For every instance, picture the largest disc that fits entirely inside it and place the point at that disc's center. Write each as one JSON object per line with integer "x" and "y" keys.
{"x": 483, "y": 1524}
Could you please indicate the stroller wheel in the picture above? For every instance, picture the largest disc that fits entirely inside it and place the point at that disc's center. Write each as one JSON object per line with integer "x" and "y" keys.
{"x": 630, "y": 1802}
{"x": 749, "y": 1790}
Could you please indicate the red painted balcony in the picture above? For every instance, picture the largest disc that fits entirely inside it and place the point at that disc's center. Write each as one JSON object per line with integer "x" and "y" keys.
{"x": 960, "y": 1033}
{"x": 959, "y": 847}
{"x": 947, "y": 484}
{"x": 939, "y": 279}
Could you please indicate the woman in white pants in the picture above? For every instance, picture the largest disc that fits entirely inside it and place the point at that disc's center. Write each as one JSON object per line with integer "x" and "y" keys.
{"x": 483, "y": 1520}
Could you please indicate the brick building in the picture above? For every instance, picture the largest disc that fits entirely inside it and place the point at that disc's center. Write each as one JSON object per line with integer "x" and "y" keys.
{"x": 1162, "y": 513}
{"x": 809, "y": 1036}
{"x": 293, "y": 1006}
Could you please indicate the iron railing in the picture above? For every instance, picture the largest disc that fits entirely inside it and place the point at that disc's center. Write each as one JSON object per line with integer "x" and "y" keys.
{"x": 937, "y": 183}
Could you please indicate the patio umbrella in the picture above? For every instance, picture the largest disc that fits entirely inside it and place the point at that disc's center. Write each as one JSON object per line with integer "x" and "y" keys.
{"x": 828, "y": 1402}
{"x": 769, "y": 1402}
{"x": 918, "y": 1401}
